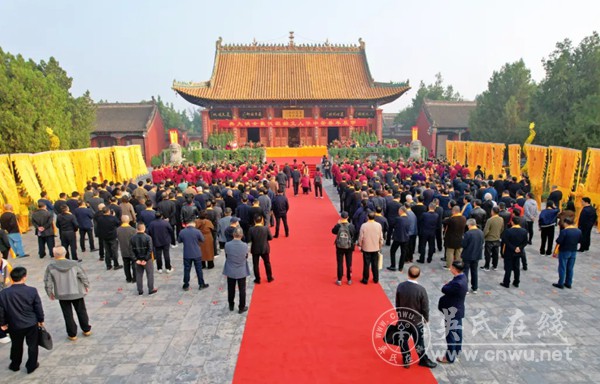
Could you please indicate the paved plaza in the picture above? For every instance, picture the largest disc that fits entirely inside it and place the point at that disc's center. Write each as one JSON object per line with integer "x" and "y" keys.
{"x": 192, "y": 337}
{"x": 489, "y": 334}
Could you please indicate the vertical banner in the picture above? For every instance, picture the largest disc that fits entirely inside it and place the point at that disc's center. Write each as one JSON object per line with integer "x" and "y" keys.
{"x": 451, "y": 151}
{"x": 497, "y": 165}
{"x": 48, "y": 176}
{"x": 173, "y": 136}
{"x": 514, "y": 159}
{"x": 590, "y": 185}
{"x": 9, "y": 194}
{"x": 461, "y": 152}
{"x": 536, "y": 167}
{"x": 26, "y": 173}
{"x": 563, "y": 169}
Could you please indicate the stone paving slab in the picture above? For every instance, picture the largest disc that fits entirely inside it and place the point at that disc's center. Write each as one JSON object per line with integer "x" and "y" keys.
{"x": 192, "y": 337}
{"x": 580, "y": 313}
{"x": 172, "y": 336}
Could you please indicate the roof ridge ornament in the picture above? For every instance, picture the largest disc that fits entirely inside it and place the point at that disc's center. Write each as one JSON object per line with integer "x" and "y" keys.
{"x": 292, "y": 39}
{"x": 219, "y": 42}
{"x": 361, "y": 43}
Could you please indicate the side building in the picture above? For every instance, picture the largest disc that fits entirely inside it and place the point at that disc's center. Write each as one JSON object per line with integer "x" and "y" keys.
{"x": 439, "y": 121}
{"x": 130, "y": 124}
{"x": 290, "y": 95}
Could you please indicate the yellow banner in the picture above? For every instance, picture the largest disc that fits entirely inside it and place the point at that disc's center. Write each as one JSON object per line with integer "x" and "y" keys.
{"x": 563, "y": 168}
{"x": 514, "y": 159}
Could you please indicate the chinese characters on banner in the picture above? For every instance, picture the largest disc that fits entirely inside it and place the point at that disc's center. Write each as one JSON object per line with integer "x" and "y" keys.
{"x": 293, "y": 123}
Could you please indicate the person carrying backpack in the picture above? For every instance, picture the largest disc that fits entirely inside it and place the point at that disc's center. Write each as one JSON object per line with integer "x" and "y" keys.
{"x": 344, "y": 246}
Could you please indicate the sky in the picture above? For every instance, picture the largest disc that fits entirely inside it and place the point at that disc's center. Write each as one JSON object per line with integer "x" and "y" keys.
{"x": 128, "y": 51}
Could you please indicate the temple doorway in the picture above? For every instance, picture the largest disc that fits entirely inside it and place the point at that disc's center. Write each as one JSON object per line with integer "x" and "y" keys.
{"x": 333, "y": 133}
{"x": 293, "y": 137}
{"x": 253, "y": 135}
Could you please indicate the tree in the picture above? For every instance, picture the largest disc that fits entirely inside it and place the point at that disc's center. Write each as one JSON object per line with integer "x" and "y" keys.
{"x": 173, "y": 118}
{"x": 35, "y": 97}
{"x": 566, "y": 106}
{"x": 436, "y": 91}
{"x": 503, "y": 110}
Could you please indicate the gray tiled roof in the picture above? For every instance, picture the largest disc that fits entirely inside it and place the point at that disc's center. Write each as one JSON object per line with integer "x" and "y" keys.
{"x": 124, "y": 117}
{"x": 449, "y": 114}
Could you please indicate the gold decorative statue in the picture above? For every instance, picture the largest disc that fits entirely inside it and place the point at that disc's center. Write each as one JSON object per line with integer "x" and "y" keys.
{"x": 529, "y": 140}
{"x": 54, "y": 140}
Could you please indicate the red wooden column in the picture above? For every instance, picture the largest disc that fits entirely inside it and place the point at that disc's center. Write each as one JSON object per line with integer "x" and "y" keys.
{"x": 270, "y": 115}
{"x": 379, "y": 122}
{"x": 205, "y": 126}
{"x": 316, "y": 110}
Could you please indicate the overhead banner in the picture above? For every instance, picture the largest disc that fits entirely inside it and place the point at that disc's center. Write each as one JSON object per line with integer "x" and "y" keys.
{"x": 293, "y": 123}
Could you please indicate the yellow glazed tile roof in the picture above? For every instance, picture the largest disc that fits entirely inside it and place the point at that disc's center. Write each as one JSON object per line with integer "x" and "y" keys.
{"x": 289, "y": 72}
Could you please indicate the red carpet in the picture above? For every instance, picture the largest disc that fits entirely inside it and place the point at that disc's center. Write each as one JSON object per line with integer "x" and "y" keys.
{"x": 302, "y": 328}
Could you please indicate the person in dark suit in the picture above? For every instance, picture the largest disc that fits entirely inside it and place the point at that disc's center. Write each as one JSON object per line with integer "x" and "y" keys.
{"x": 472, "y": 245}
{"x": 160, "y": 231}
{"x": 514, "y": 241}
{"x": 67, "y": 225}
{"x": 567, "y": 240}
{"x": 587, "y": 220}
{"x": 439, "y": 232}
{"x": 455, "y": 228}
{"x": 85, "y": 217}
{"x": 43, "y": 222}
{"x": 296, "y": 179}
{"x": 281, "y": 206}
{"x": 106, "y": 229}
{"x": 391, "y": 213}
{"x": 452, "y": 306}
{"x": 555, "y": 196}
{"x": 236, "y": 269}
{"x": 21, "y": 313}
{"x": 427, "y": 232}
{"x": 400, "y": 238}
{"x": 411, "y": 295}
{"x": 242, "y": 211}
{"x": 260, "y": 235}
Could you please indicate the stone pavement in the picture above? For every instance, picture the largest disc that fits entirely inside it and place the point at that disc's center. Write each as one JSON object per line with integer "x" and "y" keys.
{"x": 172, "y": 336}
{"x": 192, "y": 337}
{"x": 553, "y": 349}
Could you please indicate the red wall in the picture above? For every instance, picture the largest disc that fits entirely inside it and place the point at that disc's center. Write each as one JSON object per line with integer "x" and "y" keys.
{"x": 423, "y": 124}
{"x": 155, "y": 138}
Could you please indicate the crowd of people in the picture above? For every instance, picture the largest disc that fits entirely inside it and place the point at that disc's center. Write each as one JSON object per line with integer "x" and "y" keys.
{"x": 419, "y": 208}
{"x": 424, "y": 207}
